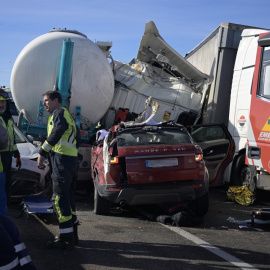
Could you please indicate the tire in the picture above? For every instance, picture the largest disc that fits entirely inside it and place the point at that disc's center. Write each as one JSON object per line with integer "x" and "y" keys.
{"x": 243, "y": 174}
{"x": 200, "y": 205}
{"x": 101, "y": 206}
{"x": 24, "y": 187}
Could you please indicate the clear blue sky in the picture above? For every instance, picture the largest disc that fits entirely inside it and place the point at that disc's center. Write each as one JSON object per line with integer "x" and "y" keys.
{"x": 182, "y": 23}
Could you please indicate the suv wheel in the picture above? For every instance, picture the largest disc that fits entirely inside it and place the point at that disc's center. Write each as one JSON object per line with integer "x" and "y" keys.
{"x": 101, "y": 206}
{"x": 200, "y": 205}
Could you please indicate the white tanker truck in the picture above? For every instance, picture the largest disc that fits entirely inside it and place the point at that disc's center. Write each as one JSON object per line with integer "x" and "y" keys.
{"x": 38, "y": 68}
{"x": 69, "y": 62}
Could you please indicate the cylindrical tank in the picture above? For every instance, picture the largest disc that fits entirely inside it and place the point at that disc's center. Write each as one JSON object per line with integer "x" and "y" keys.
{"x": 36, "y": 71}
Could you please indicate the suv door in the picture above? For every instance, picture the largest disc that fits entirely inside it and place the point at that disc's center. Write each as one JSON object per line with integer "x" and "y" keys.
{"x": 218, "y": 149}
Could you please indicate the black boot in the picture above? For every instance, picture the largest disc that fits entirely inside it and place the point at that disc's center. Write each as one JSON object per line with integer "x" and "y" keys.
{"x": 60, "y": 244}
{"x": 63, "y": 241}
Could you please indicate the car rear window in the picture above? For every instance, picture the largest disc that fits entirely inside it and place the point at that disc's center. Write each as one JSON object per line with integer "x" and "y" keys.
{"x": 153, "y": 137}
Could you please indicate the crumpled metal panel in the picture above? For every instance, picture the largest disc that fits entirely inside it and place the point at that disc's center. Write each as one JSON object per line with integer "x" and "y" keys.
{"x": 153, "y": 45}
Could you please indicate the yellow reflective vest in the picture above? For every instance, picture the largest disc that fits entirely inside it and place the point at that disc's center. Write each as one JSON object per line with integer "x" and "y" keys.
{"x": 9, "y": 127}
{"x": 67, "y": 144}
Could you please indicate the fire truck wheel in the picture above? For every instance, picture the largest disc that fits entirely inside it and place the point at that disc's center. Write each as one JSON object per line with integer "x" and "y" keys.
{"x": 101, "y": 206}
{"x": 244, "y": 175}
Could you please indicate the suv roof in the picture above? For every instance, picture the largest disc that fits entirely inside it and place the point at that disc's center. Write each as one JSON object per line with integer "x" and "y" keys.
{"x": 129, "y": 125}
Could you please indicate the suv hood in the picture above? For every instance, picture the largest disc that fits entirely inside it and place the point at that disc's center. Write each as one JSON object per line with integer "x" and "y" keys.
{"x": 28, "y": 150}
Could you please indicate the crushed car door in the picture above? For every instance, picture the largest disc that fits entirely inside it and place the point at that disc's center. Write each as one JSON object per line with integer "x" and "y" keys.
{"x": 218, "y": 149}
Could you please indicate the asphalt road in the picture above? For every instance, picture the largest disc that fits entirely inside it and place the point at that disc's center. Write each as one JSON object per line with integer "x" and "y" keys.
{"x": 129, "y": 240}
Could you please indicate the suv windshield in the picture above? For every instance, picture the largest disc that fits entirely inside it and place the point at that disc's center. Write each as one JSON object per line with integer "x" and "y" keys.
{"x": 138, "y": 137}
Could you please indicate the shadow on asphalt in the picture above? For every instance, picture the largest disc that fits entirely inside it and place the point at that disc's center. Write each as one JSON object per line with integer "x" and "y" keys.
{"x": 220, "y": 209}
{"x": 131, "y": 255}
{"x": 136, "y": 255}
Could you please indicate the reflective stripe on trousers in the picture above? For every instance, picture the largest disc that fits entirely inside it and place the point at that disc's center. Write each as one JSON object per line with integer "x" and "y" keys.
{"x": 25, "y": 260}
{"x": 10, "y": 265}
{"x": 19, "y": 247}
{"x": 61, "y": 218}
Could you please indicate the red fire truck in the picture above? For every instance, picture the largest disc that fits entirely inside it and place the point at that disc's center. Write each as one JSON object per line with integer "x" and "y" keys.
{"x": 258, "y": 144}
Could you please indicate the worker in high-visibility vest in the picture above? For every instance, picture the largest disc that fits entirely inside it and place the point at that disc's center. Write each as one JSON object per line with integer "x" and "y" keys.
{"x": 11, "y": 149}
{"x": 3, "y": 196}
{"x": 63, "y": 139}
{"x": 13, "y": 253}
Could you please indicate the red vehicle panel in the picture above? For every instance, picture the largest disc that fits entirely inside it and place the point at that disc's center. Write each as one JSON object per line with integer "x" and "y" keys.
{"x": 177, "y": 166}
{"x": 259, "y": 129}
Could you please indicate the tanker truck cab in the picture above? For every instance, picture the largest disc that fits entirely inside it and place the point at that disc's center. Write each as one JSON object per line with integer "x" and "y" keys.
{"x": 258, "y": 144}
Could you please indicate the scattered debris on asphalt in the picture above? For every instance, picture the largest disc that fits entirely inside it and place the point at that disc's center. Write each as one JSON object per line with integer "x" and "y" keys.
{"x": 241, "y": 195}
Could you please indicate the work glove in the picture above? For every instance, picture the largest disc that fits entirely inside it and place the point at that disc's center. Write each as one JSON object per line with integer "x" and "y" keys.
{"x": 18, "y": 163}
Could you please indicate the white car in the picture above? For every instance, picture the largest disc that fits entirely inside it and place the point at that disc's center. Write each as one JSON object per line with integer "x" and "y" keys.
{"x": 29, "y": 179}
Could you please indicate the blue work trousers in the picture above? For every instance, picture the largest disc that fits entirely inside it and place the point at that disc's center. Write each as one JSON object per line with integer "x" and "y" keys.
{"x": 6, "y": 158}
{"x": 3, "y": 196}
{"x": 64, "y": 176}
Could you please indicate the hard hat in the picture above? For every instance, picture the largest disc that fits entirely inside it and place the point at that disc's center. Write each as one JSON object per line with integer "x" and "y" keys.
{"x": 3, "y": 94}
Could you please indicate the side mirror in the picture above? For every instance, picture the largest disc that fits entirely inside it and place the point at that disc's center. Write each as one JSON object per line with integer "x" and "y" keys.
{"x": 30, "y": 138}
{"x": 264, "y": 41}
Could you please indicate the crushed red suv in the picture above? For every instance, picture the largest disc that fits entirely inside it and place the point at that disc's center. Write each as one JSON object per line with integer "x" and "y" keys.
{"x": 142, "y": 165}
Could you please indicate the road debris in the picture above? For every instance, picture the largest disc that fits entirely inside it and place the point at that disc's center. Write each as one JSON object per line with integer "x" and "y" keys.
{"x": 241, "y": 195}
